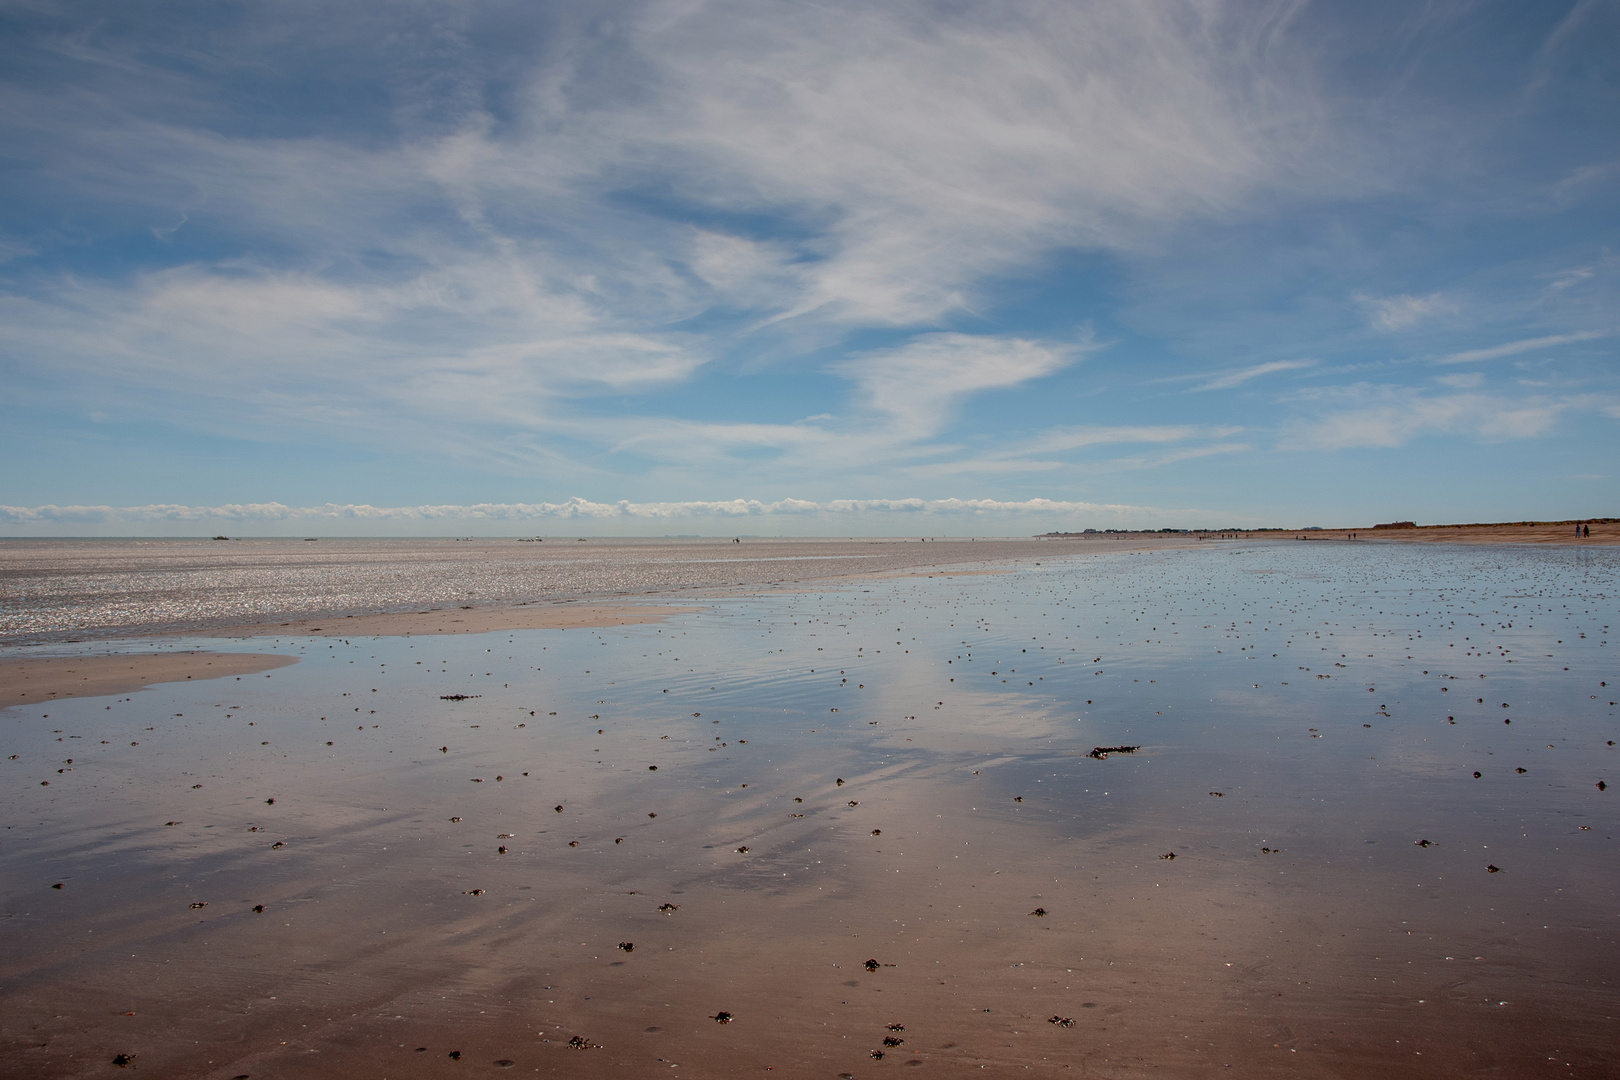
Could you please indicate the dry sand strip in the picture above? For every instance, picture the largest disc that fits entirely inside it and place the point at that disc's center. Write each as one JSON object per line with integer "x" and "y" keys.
{"x": 26, "y": 680}
{"x": 464, "y": 621}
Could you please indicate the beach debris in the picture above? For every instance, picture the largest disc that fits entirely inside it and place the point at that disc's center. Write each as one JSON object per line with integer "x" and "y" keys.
{"x": 1061, "y": 1021}
{"x": 1492, "y": 868}
{"x": 618, "y": 839}
{"x": 1601, "y": 786}
{"x": 472, "y": 892}
{"x": 1039, "y": 913}
{"x": 669, "y": 909}
{"x": 892, "y": 1040}
{"x": 573, "y": 843}
{"x": 1018, "y": 798}
{"x": 1101, "y": 752}
{"x": 455, "y": 1055}
{"x": 580, "y": 1043}
{"x": 877, "y": 1055}
{"x": 501, "y": 850}
{"x": 1219, "y": 794}
{"x": 195, "y": 904}
{"x": 258, "y": 909}
{"x": 652, "y": 768}
{"x": 897, "y": 1027}
{"x": 123, "y": 1061}
{"x": 458, "y": 697}
{"x": 1476, "y": 774}
{"x": 743, "y": 850}
{"x": 558, "y": 808}
{"x": 627, "y": 946}
{"x": 454, "y": 820}
{"x": 1168, "y": 855}
{"x": 279, "y": 844}
{"x": 168, "y": 823}
{"x": 840, "y": 782}
{"x": 872, "y": 965}
{"x": 721, "y": 1017}
{"x": 877, "y": 832}
{"x": 59, "y": 885}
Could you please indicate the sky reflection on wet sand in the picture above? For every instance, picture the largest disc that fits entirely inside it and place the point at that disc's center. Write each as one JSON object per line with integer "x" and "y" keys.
{"x": 1306, "y": 714}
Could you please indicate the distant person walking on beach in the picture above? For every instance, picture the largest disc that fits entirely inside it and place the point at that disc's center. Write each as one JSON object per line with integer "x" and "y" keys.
{"x": 1586, "y": 530}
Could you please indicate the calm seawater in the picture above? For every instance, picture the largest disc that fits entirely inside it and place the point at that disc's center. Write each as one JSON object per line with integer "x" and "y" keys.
{"x": 892, "y": 770}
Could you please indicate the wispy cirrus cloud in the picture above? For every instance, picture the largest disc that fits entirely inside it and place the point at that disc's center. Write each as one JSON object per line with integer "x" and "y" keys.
{"x": 553, "y": 229}
{"x": 1514, "y": 348}
{"x": 1391, "y": 313}
{"x": 668, "y": 247}
{"x": 918, "y": 384}
{"x": 1391, "y": 416}
{"x": 1229, "y": 379}
{"x": 1035, "y": 454}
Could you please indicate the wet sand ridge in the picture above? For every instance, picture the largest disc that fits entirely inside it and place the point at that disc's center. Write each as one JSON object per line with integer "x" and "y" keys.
{"x": 26, "y": 679}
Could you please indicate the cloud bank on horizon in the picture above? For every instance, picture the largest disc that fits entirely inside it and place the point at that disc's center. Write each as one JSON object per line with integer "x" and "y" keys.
{"x": 1079, "y": 264}
{"x": 944, "y": 516}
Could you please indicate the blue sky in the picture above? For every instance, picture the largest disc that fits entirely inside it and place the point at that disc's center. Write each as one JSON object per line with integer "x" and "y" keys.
{"x": 806, "y": 268}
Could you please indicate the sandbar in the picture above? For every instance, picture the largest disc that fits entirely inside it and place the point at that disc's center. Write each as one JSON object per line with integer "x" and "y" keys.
{"x": 28, "y": 679}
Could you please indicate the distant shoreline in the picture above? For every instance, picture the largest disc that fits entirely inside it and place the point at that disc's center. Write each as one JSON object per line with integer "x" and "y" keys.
{"x": 1604, "y": 531}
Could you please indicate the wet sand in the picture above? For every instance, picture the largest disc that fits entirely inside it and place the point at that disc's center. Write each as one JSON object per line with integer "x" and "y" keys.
{"x": 42, "y": 678}
{"x": 77, "y": 590}
{"x": 468, "y": 621}
{"x": 1338, "y": 698}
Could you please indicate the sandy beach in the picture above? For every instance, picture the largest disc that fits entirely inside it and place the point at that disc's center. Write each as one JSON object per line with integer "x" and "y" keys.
{"x": 1236, "y": 808}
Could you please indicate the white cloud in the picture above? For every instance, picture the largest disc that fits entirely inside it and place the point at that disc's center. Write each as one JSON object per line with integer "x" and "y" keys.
{"x": 1386, "y": 416}
{"x": 1233, "y": 378}
{"x": 1468, "y": 381}
{"x": 934, "y": 145}
{"x": 1074, "y": 438}
{"x": 572, "y": 510}
{"x": 1025, "y": 456}
{"x": 918, "y": 384}
{"x": 1391, "y": 313}
{"x": 1513, "y": 348}
{"x": 903, "y": 152}
{"x": 1573, "y": 277}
